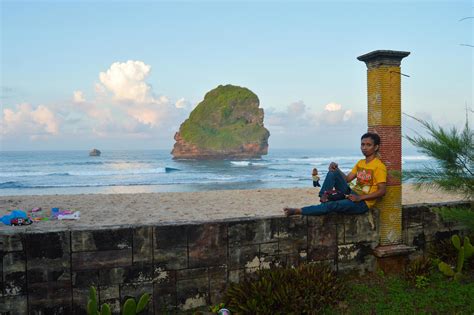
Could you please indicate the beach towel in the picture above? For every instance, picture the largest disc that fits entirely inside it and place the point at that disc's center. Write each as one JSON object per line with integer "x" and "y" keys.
{"x": 7, "y": 219}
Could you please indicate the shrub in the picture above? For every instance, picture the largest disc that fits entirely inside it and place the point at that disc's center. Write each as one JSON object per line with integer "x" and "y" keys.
{"x": 465, "y": 251}
{"x": 418, "y": 269}
{"x": 453, "y": 151}
{"x": 443, "y": 250}
{"x": 306, "y": 289}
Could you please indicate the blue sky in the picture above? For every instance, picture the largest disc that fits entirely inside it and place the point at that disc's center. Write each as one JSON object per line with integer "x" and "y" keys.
{"x": 299, "y": 58}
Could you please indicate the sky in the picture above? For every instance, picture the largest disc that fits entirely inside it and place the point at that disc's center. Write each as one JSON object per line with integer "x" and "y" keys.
{"x": 126, "y": 74}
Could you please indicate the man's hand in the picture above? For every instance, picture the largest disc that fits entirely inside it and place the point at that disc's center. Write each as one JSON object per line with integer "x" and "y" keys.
{"x": 333, "y": 166}
{"x": 354, "y": 198}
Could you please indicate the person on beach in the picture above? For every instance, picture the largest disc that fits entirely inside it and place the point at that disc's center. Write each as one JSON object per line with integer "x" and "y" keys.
{"x": 315, "y": 177}
{"x": 371, "y": 176}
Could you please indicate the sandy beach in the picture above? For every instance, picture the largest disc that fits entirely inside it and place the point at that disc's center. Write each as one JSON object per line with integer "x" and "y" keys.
{"x": 100, "y": 210}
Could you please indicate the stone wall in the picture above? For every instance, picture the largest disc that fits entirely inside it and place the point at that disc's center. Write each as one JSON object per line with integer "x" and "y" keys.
{"x": 184, "y": 266}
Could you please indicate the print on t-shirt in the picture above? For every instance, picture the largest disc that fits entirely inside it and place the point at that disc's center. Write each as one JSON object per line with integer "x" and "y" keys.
{"x": 364, "y": 180}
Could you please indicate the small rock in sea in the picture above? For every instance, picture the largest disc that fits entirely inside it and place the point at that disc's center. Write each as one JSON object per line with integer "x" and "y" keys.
{"x": 94, "y": 152}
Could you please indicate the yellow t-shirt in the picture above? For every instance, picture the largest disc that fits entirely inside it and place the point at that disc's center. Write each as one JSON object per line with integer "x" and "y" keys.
{"x": 368, "y": 176}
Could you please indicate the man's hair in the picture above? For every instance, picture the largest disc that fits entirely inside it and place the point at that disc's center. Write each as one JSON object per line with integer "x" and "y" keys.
{"x": 375, "y": 137}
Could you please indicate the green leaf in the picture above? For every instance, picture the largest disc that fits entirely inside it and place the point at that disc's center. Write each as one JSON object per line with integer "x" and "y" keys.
{"x": 93, "y": 294}
{"x": 92, "y": 307}
{"x": 129, "y": 307}
{"x": 460, "y": 260}
{"x": 457, "y": 276}
{"x": 143, "y": 302}
{"x": 468, "y": 248}
{"x": 456, "y": 241}
{"x": 446, "y": 269}
{"x": 105, "y": 309}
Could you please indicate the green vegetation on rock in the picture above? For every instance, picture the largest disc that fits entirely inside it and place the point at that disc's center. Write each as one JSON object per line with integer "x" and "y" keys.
{"x": 227, "y": 118}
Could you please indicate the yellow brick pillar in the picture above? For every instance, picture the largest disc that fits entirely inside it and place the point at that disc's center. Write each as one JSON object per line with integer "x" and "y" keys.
{"x": 384, "y": 118}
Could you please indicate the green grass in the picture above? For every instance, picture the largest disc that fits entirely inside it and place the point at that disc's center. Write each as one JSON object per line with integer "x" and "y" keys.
{"x": 378, "y": 294}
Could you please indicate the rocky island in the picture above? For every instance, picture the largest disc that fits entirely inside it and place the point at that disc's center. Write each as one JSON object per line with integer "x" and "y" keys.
{"x": 227, "y": 124}
{"x": 94, "y": 152}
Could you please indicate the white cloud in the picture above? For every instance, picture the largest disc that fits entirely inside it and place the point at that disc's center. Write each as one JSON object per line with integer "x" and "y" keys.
{"x": 333, "y": 107}
{"x": 125, "y": 104}
{"x": 301, "y": 125}
{"x": 347, "y": 115}
{"x": 182, "y": 103}
{"x": 78, "y": 97}
{"x": 26, "y": 120}
{"x": 126, "y": 81}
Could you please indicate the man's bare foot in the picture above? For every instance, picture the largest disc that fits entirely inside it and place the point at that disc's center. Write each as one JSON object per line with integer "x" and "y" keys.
{"x": 323, "y": 199}
{"x": 291, "y": 211}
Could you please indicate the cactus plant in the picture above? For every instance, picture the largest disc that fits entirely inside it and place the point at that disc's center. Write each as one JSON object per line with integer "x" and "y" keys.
{"x": 465, "y": 251}
{"x": 130, "y": 307}
{"x": 92, "y": 307}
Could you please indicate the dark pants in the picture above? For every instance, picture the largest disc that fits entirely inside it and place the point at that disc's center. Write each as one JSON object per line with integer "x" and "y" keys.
{"x": 335, "y": 180}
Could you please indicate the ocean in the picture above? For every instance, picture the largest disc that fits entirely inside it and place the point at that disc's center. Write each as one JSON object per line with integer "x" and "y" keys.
{"x": 121, "y": 171}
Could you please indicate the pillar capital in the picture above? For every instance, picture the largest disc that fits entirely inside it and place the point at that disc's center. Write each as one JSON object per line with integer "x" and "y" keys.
{"x": 378, "y": 58}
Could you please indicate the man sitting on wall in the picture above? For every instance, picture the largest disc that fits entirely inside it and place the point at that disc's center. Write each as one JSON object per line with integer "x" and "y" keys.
{"x": 337, "y": 196}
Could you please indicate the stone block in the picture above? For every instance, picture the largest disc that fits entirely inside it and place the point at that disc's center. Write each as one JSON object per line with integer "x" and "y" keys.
{"x": 357, "y": 228}
{"x": 433, "y": 223}
{"x": 109, "y": 292}
{"x": 322, "y": 242}
{"x": 111, "y": 295}
{"x": 439, "y": 235}
{"x": 170, "y": 237}
{"x": 292, "y": 246}
{"x": 85, "y": 278}
{"x": 48, "y": 257}
{"x": 191, "y": 273}
{"x": 49, "y": 294}
{"x": 80, "y": 298}
{"x": 297, "y": 259}
{"x": 143, "y": 244}
{"x": 268, "y": 249}
{"x": 14, "y": 262}
{"x": 252, "y": 232}
{"x": 328, "y": 219}
{"x": 356, "y": 256}
{"x": 207, "y": 245}
{"x": 49, "y": 274}
{"x": 14, "y": 283}
{"x": 171, "y": 258}
{"x": 415, "y": 236}
{"x": 294, "y": 228}
{"x": 413, "y": 216}
{"x": 164, "y": 288}
{"x": 132, "y": 274}
{"x": 240, "y": 256}
{"x": 101, "y": 240}
{"x": 14, "y": 305}
{"x": 267, "y": 262}
{"x": 236, "y": 275}
{"x": 14, "y": 274}
{"x": 164, "y": 278}
{"x": 192, "y": 293}
{"x": 101, "y": 259}
{"x": 53, "y": 309}
{"x": 11, "y": 243}
{"x": 53, "y": 245}
{"x": 217, "y": 283}
{"x": 164, "y": 300}
{"x": 1, "y": 274}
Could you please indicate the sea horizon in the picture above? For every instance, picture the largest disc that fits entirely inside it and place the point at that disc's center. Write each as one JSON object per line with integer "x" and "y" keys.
{"x": 141, "y": 171}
